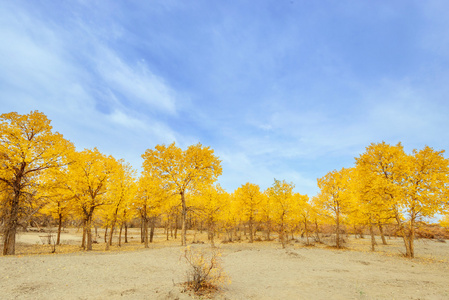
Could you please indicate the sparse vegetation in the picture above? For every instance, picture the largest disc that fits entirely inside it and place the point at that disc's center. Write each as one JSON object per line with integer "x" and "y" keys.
{"x": 205, "y": 275}
{"x": 261, "y": 270}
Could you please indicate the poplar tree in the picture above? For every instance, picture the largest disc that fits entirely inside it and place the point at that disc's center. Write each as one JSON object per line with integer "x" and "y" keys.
{"x": 28, "y": 148}
{"x": 182, "y": 171}
{"x": 249, "y": 198}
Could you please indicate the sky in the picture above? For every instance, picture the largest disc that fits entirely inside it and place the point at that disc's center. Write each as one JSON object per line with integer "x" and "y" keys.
{"x": 283, "y": 89}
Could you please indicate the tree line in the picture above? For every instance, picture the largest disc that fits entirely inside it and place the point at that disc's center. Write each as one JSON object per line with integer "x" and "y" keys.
{"x": 41, "y": 173}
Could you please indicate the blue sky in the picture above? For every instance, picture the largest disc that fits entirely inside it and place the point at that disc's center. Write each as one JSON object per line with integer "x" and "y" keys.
{"x": 279, "y": 89}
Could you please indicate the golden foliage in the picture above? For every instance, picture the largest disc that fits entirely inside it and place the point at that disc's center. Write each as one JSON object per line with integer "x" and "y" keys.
{"x": 180, "y": 170}
{"x": 40, "y": 171}
{"x": 28, "y": 148}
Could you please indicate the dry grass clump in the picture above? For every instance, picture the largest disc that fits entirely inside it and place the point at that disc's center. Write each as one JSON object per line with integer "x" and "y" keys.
{"x": 205, "y": 275}
{"x": 332, "y": 242}
{"x": 431, "y": 231}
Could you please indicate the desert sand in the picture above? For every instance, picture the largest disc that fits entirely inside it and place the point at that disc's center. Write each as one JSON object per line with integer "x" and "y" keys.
{"x": 261, "y": 270}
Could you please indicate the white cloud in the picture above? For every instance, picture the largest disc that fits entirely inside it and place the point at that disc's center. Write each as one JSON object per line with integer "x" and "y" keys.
{"x": 47, "y": 68}
{"x": 272, "y": 100}
{"x": 135, "y": 82}
{"x": 125, "y": 120}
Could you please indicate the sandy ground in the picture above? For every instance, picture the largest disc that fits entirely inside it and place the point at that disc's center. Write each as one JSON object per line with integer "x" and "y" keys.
{"x": 262, "y": 270}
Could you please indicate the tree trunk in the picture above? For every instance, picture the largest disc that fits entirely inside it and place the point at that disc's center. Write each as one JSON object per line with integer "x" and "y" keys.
{"x": 142, "y": 235}
{"x": 404, "y": 235}
{"x": 412, "y": 234}
{"x": 9, "y": 239}
{"x": 282, "y": 235}
{"x": 282, "y": 232}
{"x": 382, "y": 235}
{"x": 176, "y": 227}
{"x": 120, "y": 236}
{"x": 106, "y": 234}
{"x": 9, "y": 232}
{"x": 167, "y": 231}
{"x": 111, "y": 234}
{"x": 361, "y": 233}
{"x": 317, "y": 231}
{"x": 89, "y": 233}
{"x": 126, "y": 232}
{"x": 153, "y": 224}
{"x": 184, "y": 220}
{"x": 338, "y": 230}
{"x": 251, "y": 237}
{"x": 268, "y": 230}
{"x": 145, "y": 232}
{"x": 106, "y": 248}
{"x": 83, "y": 242}
{"x": 211, "y": 234}
{"x": 411, "y": 242}
{"x": 307, "y": 232}
{"x": 373, "y": 240}
{"x": 58, "y": 238}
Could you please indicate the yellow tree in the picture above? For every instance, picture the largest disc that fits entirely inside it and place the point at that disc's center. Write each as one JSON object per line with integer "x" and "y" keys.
{"x": 425, "y": 185}
{"x": 266, "y": 213}
{"x": 182, "y": 170}
{"x": 319, "y": 216}
{"x": 370, "y": 204}
{"x": 230, "y": 217}
{"x": 88, "y": 180}
{"x": 211, "y": 201}
{"x": 151, "y": 200}
{"x": 283, "y": 207}
{"x": 249, "y": 197}
{"x": 306, "y": 213}
{"x": 382, "y": 170}
{"x": 59, "y": 200}
{"x": 171, "y": 214}
{"x": 28, "y": 147}
{"x": 334, "y": 198}
{"x": 120, "y": 193}
{"x": 126, "y": 215}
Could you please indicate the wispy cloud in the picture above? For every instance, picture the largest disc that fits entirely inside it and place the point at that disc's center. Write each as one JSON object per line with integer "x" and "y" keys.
{"x": 280, "y": 90}
{"x": 134, "y": 82}
{"x": 45, "y": 68}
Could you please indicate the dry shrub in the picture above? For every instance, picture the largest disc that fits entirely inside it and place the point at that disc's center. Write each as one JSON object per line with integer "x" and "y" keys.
{"x": 332, "y": 241}
{"x": 308, "y": 244}
{"x": 431, "y": 231}
{"x": 197, "y": 242}
{"x": 205, "y": 275}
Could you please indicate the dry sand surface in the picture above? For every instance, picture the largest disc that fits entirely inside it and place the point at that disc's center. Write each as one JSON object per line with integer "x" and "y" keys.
{"x": 262, "y": 270}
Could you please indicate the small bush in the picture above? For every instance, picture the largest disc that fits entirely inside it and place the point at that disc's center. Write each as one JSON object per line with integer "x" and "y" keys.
{"x": 309, "y": 244}
{"x": 205, "y": 275}
{"x": 333, "y": 241}
{"x": 197, "y": 242}
{"x": 227, "y": 240}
